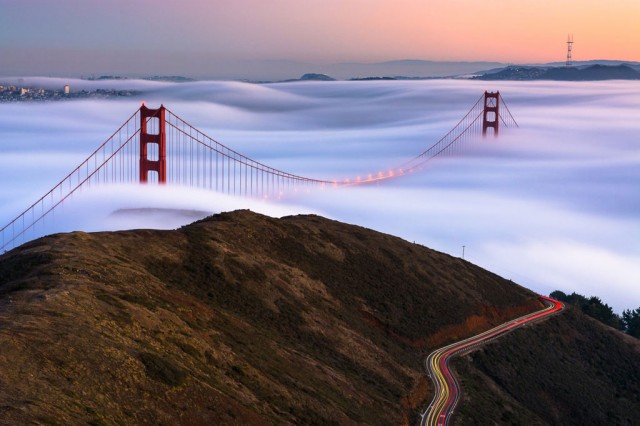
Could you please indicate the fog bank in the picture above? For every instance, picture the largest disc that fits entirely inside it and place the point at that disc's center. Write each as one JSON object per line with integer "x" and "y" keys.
{"x": 554, "y": 204}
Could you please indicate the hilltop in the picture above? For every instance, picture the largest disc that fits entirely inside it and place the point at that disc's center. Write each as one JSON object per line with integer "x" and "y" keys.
{"x": 583, "y": 73}
{"x": 245, "y": 319}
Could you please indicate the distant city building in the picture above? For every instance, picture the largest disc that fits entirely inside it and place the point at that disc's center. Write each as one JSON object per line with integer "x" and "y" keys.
{"x": 26, "y": 94}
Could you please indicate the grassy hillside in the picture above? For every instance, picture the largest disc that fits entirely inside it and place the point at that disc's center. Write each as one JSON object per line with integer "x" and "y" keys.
{"x": 236, "y": 319}
{"x": 569, "y": 370}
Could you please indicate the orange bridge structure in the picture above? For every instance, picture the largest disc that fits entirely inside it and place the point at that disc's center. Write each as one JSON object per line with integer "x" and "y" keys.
{"x": 155, "y": 146}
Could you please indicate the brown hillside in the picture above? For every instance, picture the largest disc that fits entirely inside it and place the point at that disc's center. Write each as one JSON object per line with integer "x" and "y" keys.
{"x": 569, "y": 370}
{"x": 235, "y": 319}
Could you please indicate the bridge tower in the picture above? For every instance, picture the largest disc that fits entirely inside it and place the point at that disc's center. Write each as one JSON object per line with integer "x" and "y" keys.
{"x": 153, "y": 120}
{"x": 491, "y": 115}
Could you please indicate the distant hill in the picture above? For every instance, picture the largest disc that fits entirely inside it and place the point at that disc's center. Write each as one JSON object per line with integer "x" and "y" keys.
{"x": 169, "y": 78}
{"x": 310, "y": 77}
{"x": 409, "y": 68}
{"x": 588, "y": 73}
{"x": 317, "y": 77}
{"x": 608, "y": 62}
{"x": 422, "y": 70}
{"x": 244, "y": 319}
{"x": 270, "y": 71}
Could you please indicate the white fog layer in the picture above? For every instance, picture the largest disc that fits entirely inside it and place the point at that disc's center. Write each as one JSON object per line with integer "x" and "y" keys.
{"x": 554, "y": 204}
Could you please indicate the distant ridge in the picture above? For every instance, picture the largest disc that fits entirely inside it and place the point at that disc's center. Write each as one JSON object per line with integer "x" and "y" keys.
{"x": 310, "y": 77}
{"x": 415, "y": 69}
{"x": 273, "y": 71}
{"x": 588, "y": 73}
{"x": 316, "y": 77}
{"x": 410, "y": 68}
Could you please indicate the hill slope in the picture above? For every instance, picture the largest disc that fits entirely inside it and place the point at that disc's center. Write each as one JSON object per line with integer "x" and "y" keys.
{"x": 569, "y": 370}
{"x": 236, "y": 319}
{"x": 587, "y": 73}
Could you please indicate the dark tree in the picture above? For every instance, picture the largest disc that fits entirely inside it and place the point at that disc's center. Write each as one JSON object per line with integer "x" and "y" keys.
{"x": 631, "y": 321}
{"x": 595, "y": 308}
{"x": 559, "y": 295}
{"x": 592, "y": 306}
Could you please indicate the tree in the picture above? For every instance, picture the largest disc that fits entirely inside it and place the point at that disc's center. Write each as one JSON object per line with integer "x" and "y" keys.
{"x": 631, "y": 322}
{"x": 592, "y": 306}
{"x": 595, "y": 308}
{"x": 559, "y": 295}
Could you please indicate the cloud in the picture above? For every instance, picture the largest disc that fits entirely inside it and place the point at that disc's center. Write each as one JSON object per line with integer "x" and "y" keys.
{"x": 571, "y": 265}
{"x": 554, "y": 203}
{"x": 157, "y": 207}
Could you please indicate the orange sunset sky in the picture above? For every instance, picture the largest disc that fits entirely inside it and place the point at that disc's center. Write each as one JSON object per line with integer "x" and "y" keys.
{"x": 496, "y": 30}
{"x": 42, "y": 34}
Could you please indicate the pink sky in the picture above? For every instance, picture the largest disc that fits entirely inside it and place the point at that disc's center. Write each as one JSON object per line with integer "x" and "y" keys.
{"x": 316, "y": 31}
{"x": 374, "y": 30}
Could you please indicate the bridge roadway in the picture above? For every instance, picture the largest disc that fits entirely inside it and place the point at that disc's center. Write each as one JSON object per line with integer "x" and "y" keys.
{"x": 447, "y": 391}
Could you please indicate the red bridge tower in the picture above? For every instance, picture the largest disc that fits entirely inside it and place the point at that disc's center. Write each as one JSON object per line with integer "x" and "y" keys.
{"x": 491, "y": 115}
{"x": 153, "y": 118}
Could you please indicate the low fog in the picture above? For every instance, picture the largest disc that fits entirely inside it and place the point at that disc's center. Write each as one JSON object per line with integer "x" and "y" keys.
{"x": 554, "y": 204}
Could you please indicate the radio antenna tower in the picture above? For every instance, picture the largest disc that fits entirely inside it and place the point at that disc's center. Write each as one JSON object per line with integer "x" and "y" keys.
{"x": 569, "y": 46}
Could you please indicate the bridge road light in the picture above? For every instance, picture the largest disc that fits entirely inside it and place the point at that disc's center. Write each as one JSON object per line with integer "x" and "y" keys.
{"x": 463, "y": 252}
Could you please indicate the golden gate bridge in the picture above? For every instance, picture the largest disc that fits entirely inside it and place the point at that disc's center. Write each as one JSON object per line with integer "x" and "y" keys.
{"x": 156, "y": 146}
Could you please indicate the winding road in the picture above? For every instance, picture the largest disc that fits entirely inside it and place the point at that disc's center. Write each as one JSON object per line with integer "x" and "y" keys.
{"x": 447, "y": 391}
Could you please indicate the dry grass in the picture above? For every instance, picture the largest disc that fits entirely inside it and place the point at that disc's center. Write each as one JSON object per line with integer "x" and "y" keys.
{"x": 569, "y": 370}
{"x": 236, "y": 319}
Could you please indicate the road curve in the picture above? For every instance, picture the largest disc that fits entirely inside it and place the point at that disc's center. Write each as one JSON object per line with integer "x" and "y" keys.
{"x": 447, "y": 391}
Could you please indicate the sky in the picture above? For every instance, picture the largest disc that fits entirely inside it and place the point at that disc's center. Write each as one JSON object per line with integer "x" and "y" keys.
{"x": 225, "y": 38}
{"x": 553, "y": 204}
